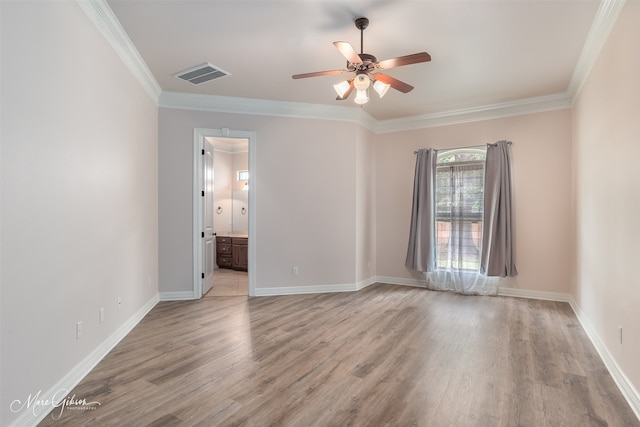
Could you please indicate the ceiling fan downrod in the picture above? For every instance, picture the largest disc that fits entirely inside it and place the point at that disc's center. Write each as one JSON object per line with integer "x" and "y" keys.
{"x": 361, "y": 24}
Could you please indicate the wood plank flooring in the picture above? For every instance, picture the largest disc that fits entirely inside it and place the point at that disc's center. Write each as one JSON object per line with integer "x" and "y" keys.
{"x": 384, "y": 356}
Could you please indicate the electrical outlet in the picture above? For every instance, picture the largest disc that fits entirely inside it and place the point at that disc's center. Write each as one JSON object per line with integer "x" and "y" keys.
{"x": 119, "y": 303}
{"x": 620, "y": 333}
{"x": 101, "y": 315}
{"x": 78, "y": 330}
{"x": 295, "y": 271}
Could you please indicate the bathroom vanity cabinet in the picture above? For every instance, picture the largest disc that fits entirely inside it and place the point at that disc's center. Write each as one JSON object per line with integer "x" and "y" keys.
{"x": 232, "y": 252}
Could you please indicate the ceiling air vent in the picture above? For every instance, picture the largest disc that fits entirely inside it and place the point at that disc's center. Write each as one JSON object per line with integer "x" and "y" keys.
{"x": 201, "y": 73}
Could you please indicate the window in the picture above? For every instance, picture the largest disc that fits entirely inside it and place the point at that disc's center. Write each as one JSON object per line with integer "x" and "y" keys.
{"x": 242, "y": 175}
{"x": 449, "y": 240}
{"x": 459, "y": 201}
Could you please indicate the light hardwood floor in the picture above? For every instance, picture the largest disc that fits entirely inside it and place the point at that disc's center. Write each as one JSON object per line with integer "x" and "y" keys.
{"x": 384, "y": 356}
{"x": 227, "y": 283}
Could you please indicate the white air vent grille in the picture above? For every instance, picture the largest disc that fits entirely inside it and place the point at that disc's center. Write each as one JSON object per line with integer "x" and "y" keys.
{"x": 201, "y": 73}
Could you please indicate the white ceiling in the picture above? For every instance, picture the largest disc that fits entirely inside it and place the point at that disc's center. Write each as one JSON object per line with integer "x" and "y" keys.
{"x": 483, "y": 52}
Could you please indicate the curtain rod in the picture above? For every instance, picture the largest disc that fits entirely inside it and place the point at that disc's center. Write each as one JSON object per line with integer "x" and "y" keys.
{"x": 470, "y": 146}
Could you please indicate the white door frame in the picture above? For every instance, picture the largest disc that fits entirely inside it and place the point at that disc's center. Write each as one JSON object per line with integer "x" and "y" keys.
{"x": 198, "y": 209}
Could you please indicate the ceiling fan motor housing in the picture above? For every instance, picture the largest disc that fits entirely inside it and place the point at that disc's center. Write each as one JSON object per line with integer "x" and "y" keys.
{"x": 368, "y": 63}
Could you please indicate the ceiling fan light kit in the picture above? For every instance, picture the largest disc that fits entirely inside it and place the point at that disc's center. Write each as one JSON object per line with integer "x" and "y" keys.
{"x": 361, "y": 97}
{"x": 366, "y": 68}
{"x": 380, "y": 87}
{"x": 342, "y": 88}
{"x": 362, "y": 82}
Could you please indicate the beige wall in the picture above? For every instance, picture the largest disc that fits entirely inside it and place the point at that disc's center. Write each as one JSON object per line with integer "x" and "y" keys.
{"x": 305, "y": 182}
{"x": 365, "y": 220}
{"x": 606, "y": 149}
{"x": 79, "y": 196}
{"x": 541, "y": 190}
{"x": 334, "y": 199}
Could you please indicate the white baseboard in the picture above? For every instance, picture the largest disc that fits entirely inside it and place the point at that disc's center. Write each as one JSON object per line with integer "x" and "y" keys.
{"x": 316, "y": 289}
{"x": 523, "y": 293}
{"x": 401, "y": 281}
{"x": 73, "y": 377}
{"x": 364, "y": 283}
{"x": 627, "y": 389}
{"x": 298, "y": 290}
{"x": 176, "y": 296}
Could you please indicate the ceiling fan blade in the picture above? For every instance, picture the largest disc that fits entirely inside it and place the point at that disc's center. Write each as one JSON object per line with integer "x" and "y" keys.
{"x": 319, "y": 73}
{"x": 348, "y": 52}
{"x": 394, "y": 83}
{"x": 404, "y": 60}
{"x": 348, "y": 92}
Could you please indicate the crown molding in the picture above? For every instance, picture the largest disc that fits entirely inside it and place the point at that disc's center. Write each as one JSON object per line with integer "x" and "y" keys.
{"x": 474, "y": 114}
{"x": 229, "y": 147}
{"x": 106, "y": 22}
{"x": 603, "y": 22}
{"x": 223, "y": 104}
{"x": 263, "y": 107}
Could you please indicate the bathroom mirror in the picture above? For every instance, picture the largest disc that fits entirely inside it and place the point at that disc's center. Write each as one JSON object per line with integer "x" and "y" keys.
{"x": 231, "y": 184}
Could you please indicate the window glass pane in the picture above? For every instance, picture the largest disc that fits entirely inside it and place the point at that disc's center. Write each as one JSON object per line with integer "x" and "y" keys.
{"x": 242, "y": 175}
{"x": 459, "y": 205}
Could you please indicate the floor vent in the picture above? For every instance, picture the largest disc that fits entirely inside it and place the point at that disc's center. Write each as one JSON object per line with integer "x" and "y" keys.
{"x": 201, "y": 73}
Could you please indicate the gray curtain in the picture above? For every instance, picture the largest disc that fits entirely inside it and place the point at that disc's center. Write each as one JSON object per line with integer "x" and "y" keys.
{"x": 421, "y": 253}
{"x": 497, "y": 244}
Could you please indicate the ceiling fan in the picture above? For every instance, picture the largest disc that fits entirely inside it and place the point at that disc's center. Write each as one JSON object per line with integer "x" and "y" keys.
{"x": 366, "y": 68}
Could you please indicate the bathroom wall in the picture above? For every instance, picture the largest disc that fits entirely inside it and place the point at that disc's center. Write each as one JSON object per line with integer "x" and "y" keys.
{"x": 230, "y": 202}
{"x": 240, "y": 197}
{"x": 222, "y": 206}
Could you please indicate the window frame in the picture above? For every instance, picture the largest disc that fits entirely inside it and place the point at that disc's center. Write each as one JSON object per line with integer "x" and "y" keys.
{"x": 446, "y": 216}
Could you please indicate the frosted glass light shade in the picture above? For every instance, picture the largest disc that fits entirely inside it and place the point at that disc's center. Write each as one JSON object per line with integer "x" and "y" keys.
{"x": 380, "y": 87}
{"x": 342, "y": 88}
{"x": 362, "y": 82}
{"x": 362, "y": 97}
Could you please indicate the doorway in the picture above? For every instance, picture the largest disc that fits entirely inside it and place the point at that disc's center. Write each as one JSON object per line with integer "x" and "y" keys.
{"x": 227, "y": 213}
